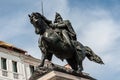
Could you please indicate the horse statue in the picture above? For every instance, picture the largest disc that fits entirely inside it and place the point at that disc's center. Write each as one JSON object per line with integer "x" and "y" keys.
{"x": 50, "y": 43}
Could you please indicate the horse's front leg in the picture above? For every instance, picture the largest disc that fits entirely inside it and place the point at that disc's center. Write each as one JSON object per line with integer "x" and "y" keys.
{"x": 42, "y": 60}
{"x": 43, "y": 50}
{"x": 44, "y": 53}
{"x": 47, "y": 56}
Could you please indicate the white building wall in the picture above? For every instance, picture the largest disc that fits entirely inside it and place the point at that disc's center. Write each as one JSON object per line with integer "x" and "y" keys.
{"x": 9, "y": 68}
{"x": 9, "y": 59}
{"x": 0, "y": 67}
{"x": 20, "y": 72}
{"x": 27, "y": 70}
{"x": 22, "y": 65}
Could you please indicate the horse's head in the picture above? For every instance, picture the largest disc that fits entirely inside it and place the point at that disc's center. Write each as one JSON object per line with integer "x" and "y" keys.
{"x": 38, "y": 22}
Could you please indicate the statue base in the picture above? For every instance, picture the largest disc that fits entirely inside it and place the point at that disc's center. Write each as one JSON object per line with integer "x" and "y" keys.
{"x": 56, "y": 72}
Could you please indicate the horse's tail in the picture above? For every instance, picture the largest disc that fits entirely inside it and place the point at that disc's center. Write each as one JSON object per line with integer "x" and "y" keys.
{"x": 92, "y": 56}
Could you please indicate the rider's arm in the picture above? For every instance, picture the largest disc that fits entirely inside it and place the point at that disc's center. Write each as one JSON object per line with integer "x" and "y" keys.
{"x": 61, "y": 25}
{"x": 58, "y": 25}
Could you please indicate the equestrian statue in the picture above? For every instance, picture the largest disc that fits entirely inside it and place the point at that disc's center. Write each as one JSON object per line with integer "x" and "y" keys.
{"x": 59, "y": 38}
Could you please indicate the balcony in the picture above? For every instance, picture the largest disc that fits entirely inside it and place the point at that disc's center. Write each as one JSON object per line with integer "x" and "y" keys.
{"x": 15, "y": 75}
{"x": 4, "y": 73}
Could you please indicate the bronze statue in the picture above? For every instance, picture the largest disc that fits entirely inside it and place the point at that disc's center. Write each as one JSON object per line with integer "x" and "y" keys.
{"x": 59, "y": 38}
{"x": 64, "y": 29}
{"x": 64, "y": 25}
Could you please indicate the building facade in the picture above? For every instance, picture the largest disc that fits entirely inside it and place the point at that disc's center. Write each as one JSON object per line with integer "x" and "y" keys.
{"x": 15, "y": 63}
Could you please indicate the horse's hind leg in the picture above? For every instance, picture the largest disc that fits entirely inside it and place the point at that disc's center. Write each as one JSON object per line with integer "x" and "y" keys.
{"x": 80, "y": 55}
{"x": 80, "y": 66}
{"x": 77, "y": 66}
{"x": 73, "y": 63}
{"x": 79, "y": 59}
{"x": 49, "y": 56}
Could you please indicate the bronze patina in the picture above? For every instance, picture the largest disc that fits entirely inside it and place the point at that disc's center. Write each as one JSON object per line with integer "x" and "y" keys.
{"x": 59, "y": 38}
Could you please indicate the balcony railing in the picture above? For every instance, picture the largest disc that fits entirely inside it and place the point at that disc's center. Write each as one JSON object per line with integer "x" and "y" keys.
{"x": 15, "y": 75}
{"x": 4, "y": 73}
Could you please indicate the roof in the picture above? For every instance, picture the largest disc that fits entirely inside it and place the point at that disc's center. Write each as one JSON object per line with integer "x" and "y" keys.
{"x": 11, "y": 47}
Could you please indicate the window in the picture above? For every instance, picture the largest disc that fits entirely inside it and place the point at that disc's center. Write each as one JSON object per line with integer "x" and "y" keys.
{"x": 3, "y": 64}
{"x": 4, "y": 67}
{"x": 14, "y": 66}
{"x": 31, "y": 69}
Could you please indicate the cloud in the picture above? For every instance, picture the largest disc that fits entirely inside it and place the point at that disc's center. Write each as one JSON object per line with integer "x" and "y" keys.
{"x": 101, "y": 34}
{"x": 16, "y": 28}
{"x": 95, "y": 27}
{"x": 11, "y": 26}
{"x": 50, "y": 7}
{"x": 98, "y": 29}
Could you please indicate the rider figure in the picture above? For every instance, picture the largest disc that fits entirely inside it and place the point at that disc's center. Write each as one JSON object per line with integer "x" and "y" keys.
{"x": 65, "y": 27}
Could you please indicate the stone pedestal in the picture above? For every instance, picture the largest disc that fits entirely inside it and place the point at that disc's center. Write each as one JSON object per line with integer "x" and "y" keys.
{"x": 55, "y": 75}
{"x": 56, "y": 72}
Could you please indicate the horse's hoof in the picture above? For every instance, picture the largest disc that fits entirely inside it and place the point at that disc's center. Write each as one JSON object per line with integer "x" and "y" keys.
{"x": 41, "y": 65}
{"x": 79, "y": 70}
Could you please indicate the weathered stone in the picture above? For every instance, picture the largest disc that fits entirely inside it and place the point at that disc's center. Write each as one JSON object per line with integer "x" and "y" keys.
{"x": 56, "y": 72}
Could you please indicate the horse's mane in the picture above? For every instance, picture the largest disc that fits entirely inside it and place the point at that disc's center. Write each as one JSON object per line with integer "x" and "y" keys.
{"x": 44, "y": 18}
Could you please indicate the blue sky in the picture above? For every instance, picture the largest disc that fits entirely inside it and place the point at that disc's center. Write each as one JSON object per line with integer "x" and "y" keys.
{"x": 96, "y": 23}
